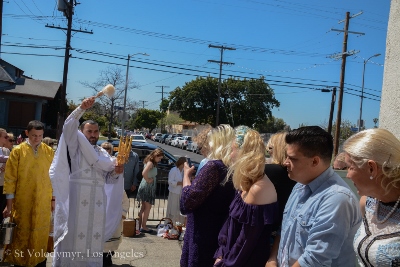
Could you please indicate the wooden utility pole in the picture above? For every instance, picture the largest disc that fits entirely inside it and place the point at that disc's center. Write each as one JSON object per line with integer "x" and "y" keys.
{"x": 143, "y": 102}
{"x": 344, "y": 55}
{"x": 68, "y": 12}
{"x": 332, "y": 109}
{"x": 162, "y": 100}
{"x": 220, "y": 62}
{"x": 341, "y": 85}
{"x": 162, "y": 92}
{"x": 1, "y": 22}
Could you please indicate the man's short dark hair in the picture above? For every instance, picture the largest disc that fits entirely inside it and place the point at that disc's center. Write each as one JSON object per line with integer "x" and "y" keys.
{"x": 92, "y": 122}
{"x": 312, "y": 141}
{"x": 37, "y": 125}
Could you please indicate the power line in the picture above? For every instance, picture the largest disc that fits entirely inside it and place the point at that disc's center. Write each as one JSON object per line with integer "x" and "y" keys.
{"x": 288, "y": 84}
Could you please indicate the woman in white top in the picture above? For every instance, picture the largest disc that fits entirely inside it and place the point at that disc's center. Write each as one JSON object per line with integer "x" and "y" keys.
{"x": 175, "y": 177}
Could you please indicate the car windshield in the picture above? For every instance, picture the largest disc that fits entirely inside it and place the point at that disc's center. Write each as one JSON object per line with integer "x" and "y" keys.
{"x": 168, "y": 155}
{"x": 138, "y": 137}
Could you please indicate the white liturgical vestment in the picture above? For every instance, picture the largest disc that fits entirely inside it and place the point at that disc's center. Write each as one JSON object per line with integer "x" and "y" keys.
{"x": 80, "y": 215}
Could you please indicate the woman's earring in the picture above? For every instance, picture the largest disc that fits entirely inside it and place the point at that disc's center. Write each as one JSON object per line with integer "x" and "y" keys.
{"x": 371, "y": 177}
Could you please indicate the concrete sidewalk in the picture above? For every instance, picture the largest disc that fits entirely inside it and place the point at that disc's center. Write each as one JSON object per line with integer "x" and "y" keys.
{"x": 146, "y": 250}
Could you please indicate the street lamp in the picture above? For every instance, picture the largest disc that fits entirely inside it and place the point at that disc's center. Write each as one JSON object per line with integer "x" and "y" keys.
{"x": 126, "y": 90}
{"x": 362, "y": 90}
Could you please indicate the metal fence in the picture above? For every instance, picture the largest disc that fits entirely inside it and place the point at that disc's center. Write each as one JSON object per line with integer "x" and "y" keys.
{"x": 159, "y": 209}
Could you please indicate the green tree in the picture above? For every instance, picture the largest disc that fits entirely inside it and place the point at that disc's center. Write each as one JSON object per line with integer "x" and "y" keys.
{"x": 345, "y": 130}
{"x": 172, "y": 119}
{"x": 272, "y": 125}
{"x": 164, "y": 105}
{"x": 242, "y": 102}
{"x": 147, "y": 118}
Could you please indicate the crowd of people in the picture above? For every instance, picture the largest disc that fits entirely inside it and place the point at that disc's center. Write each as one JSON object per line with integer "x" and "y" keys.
{"x": 239, "y": 208}
{"x": 293, "y": 209}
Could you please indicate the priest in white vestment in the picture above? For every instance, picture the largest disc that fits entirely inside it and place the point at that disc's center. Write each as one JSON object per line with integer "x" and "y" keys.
{"x": 78, "y": 184}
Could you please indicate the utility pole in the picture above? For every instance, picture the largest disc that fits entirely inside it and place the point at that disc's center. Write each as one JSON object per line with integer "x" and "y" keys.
{"x": 332, "y": 107}
{"x": 220, "y": 62}
{"x": 162, "y": 100}
{"x": 143, "y": 102}
{"x": 1, "y": 22}
{"x": 68, "y": 12}
{"x": 344, "y": 55}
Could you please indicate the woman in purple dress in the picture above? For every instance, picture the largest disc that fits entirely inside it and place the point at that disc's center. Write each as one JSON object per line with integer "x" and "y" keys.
{"x": 244, "y": 239}
{"x": 206, "y": 201}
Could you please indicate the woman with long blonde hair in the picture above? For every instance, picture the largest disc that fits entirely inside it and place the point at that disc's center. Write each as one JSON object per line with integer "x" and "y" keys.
{"x": 244, "y": 240}
{"x": 206, "y": 201}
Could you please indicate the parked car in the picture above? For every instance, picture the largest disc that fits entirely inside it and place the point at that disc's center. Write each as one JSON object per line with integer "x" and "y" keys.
{"x": 192, "y": 146}
{"x": 157, "y": 137}
{"x": 163, "y": 137}
{"x": 184, "y": 142}
{"x": 175, "y": 141}
{"x": 163, "y": 167}
{"x": 138, "y": 138}
{"x": 169, "y": 139}
{"x": 148, "y": 136}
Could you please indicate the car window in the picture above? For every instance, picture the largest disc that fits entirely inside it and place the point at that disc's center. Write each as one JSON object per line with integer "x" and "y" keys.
{"x": 142, "y": 153}
{"x": 138, "y": 137}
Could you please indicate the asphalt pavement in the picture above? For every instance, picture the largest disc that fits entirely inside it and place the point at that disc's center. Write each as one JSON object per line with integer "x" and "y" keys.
{"x": 177, "y": 152}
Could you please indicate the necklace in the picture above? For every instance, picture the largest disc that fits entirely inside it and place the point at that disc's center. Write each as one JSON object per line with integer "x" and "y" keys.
{"x": 390, "y": 212}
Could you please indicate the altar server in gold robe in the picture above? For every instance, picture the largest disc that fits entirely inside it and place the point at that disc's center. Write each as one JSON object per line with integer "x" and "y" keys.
{"x": 29, "y": 198}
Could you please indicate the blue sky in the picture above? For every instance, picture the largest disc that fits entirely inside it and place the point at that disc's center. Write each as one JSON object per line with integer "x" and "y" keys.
{"x": 287, "y": 41}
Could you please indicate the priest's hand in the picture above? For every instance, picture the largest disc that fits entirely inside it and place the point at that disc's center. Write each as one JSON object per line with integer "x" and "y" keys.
{"x": 119, "y": 168}
{"x": 88, "y": 103}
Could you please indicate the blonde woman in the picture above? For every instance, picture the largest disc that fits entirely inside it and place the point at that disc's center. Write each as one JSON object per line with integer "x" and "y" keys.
{"x": 147, "y": 188}
{"x": 373, "y": 161}
{"x": 244, "y": 240}
{"x": 206, "y": 201}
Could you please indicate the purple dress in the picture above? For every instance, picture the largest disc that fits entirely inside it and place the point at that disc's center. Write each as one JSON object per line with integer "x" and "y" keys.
{"x": 206, "y": 203}
{"x": 244, "y": 239}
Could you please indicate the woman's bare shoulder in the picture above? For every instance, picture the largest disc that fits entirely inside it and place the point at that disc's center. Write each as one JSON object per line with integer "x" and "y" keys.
{"x": 262, "y": 192}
